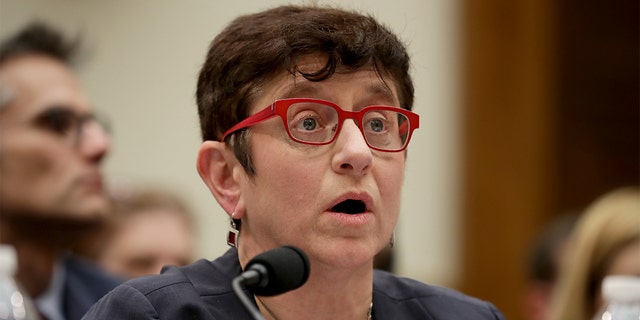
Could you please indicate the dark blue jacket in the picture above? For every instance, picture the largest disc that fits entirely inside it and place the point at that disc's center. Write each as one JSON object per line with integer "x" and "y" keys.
{"x": 84, "y": 284}
{"x": 203, "y": 291}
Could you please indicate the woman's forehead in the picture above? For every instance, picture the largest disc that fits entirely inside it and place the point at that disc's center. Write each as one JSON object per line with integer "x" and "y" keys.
{"x": 366, "y": 81}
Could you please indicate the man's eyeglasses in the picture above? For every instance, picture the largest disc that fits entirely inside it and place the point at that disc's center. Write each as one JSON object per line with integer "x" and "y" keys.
{"x": 318, "y": 122}
{"x": 69, "y": 125}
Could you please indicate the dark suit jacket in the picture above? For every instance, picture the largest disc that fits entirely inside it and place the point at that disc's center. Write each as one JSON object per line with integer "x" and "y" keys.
{"x": 84, "y": 284}
{"x": 203, "y": 291}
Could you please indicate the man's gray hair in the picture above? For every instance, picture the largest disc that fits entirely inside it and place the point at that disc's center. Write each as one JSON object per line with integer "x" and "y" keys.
{"x": 37, "y": 38}
{"x": 6, "y": 95}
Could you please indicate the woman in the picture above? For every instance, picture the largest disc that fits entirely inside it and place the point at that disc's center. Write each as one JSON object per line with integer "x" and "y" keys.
{"x": 305, "y": 113}
{"x": 606, "y": 241}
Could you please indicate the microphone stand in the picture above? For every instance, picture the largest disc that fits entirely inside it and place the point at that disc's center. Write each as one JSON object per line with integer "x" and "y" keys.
{"x": 271, "y": 273}
{"x": 238, "y": 284}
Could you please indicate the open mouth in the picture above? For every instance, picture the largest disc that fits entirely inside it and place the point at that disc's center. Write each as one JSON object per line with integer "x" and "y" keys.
{"x": 350, "y": 207}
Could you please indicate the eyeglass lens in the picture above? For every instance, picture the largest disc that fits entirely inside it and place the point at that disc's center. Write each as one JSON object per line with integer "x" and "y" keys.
{"x": 318, "y": 123}
{"x": 69, "y": 125}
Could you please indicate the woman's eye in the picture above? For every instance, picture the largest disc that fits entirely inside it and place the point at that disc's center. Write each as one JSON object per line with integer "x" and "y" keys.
{"x": 377, "y": 125}
{"x": 309, "y": 124}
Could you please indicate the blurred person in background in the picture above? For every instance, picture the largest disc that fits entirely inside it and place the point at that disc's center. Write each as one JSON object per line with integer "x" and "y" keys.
{"x": 548, "y": 255}
{"x": 149, "y": 228}
{"x": 51, "y": 186}
{"x": 606, "y": 241}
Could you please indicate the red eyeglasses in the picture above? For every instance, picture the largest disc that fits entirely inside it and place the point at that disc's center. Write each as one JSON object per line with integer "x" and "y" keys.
{"x": 318, "y": 122}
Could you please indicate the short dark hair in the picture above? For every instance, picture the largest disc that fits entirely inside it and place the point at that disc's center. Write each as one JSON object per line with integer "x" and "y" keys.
{"x": 40, "y": 38}
{"x": 257, "y": 47}
{"x": 37, "y": 38}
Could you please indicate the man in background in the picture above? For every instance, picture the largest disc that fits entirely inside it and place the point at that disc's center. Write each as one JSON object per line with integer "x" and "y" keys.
{"x": 51, "y": 186}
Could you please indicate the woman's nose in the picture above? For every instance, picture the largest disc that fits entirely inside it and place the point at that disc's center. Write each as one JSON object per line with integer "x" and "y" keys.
{"x": 353, "y": 155}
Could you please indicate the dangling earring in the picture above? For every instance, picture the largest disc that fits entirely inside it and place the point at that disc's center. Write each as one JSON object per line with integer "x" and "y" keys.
{"x": 392, "y": 241}
{"x": 232, "y": 236}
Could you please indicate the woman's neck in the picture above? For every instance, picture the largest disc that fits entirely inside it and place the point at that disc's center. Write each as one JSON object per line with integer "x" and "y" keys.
{"x": 327, "y": 294}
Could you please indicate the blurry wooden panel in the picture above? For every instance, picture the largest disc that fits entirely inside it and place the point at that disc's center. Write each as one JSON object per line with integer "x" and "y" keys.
{"x": 551, "y": 121}
{"x": 509, "y": 130}
{"x": 598, "y": 99}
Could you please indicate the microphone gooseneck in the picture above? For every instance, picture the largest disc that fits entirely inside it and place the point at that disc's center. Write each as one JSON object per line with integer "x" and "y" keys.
{"x": 271, "y": 273}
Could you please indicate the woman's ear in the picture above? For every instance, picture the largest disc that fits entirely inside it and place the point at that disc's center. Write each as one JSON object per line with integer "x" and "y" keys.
{"x": 215, "y": 165}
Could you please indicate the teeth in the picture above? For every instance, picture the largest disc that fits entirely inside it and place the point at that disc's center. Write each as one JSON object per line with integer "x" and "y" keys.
{"x": 350, "y": 207}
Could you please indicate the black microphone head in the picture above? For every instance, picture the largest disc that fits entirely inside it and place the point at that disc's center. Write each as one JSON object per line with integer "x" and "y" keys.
{"x": 287, "y": 268}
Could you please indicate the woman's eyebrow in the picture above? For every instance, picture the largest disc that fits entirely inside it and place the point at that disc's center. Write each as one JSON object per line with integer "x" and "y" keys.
{"x": 303, "y": 89}
{"x": 379, "y": 93}
{"x": 306, "y": 89}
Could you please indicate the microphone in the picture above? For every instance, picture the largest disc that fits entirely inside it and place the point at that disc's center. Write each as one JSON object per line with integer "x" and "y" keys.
{"x": 272, "y": 273}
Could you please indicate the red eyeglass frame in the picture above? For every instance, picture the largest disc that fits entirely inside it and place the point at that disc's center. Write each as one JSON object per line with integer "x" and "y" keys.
{"x": 280, "y": 107}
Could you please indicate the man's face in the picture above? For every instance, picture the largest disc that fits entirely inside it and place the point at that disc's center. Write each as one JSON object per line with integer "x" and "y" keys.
{"x": 50, "y": 150}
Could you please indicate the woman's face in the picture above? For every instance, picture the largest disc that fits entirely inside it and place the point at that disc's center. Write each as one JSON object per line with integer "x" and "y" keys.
{"x": 627, "y": 261}
{"x": 338, "y": 202}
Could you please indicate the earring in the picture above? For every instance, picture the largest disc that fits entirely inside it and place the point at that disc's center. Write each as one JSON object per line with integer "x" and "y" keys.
{"x": 232, "y": 236}
{"x": 392, "y": 241}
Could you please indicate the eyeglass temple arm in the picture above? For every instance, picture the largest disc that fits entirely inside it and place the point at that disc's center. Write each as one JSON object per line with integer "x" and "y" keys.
{"x": 266, "y": 113}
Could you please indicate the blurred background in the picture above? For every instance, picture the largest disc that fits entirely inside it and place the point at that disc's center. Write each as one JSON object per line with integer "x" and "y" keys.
{"x": 530, "y": 109}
